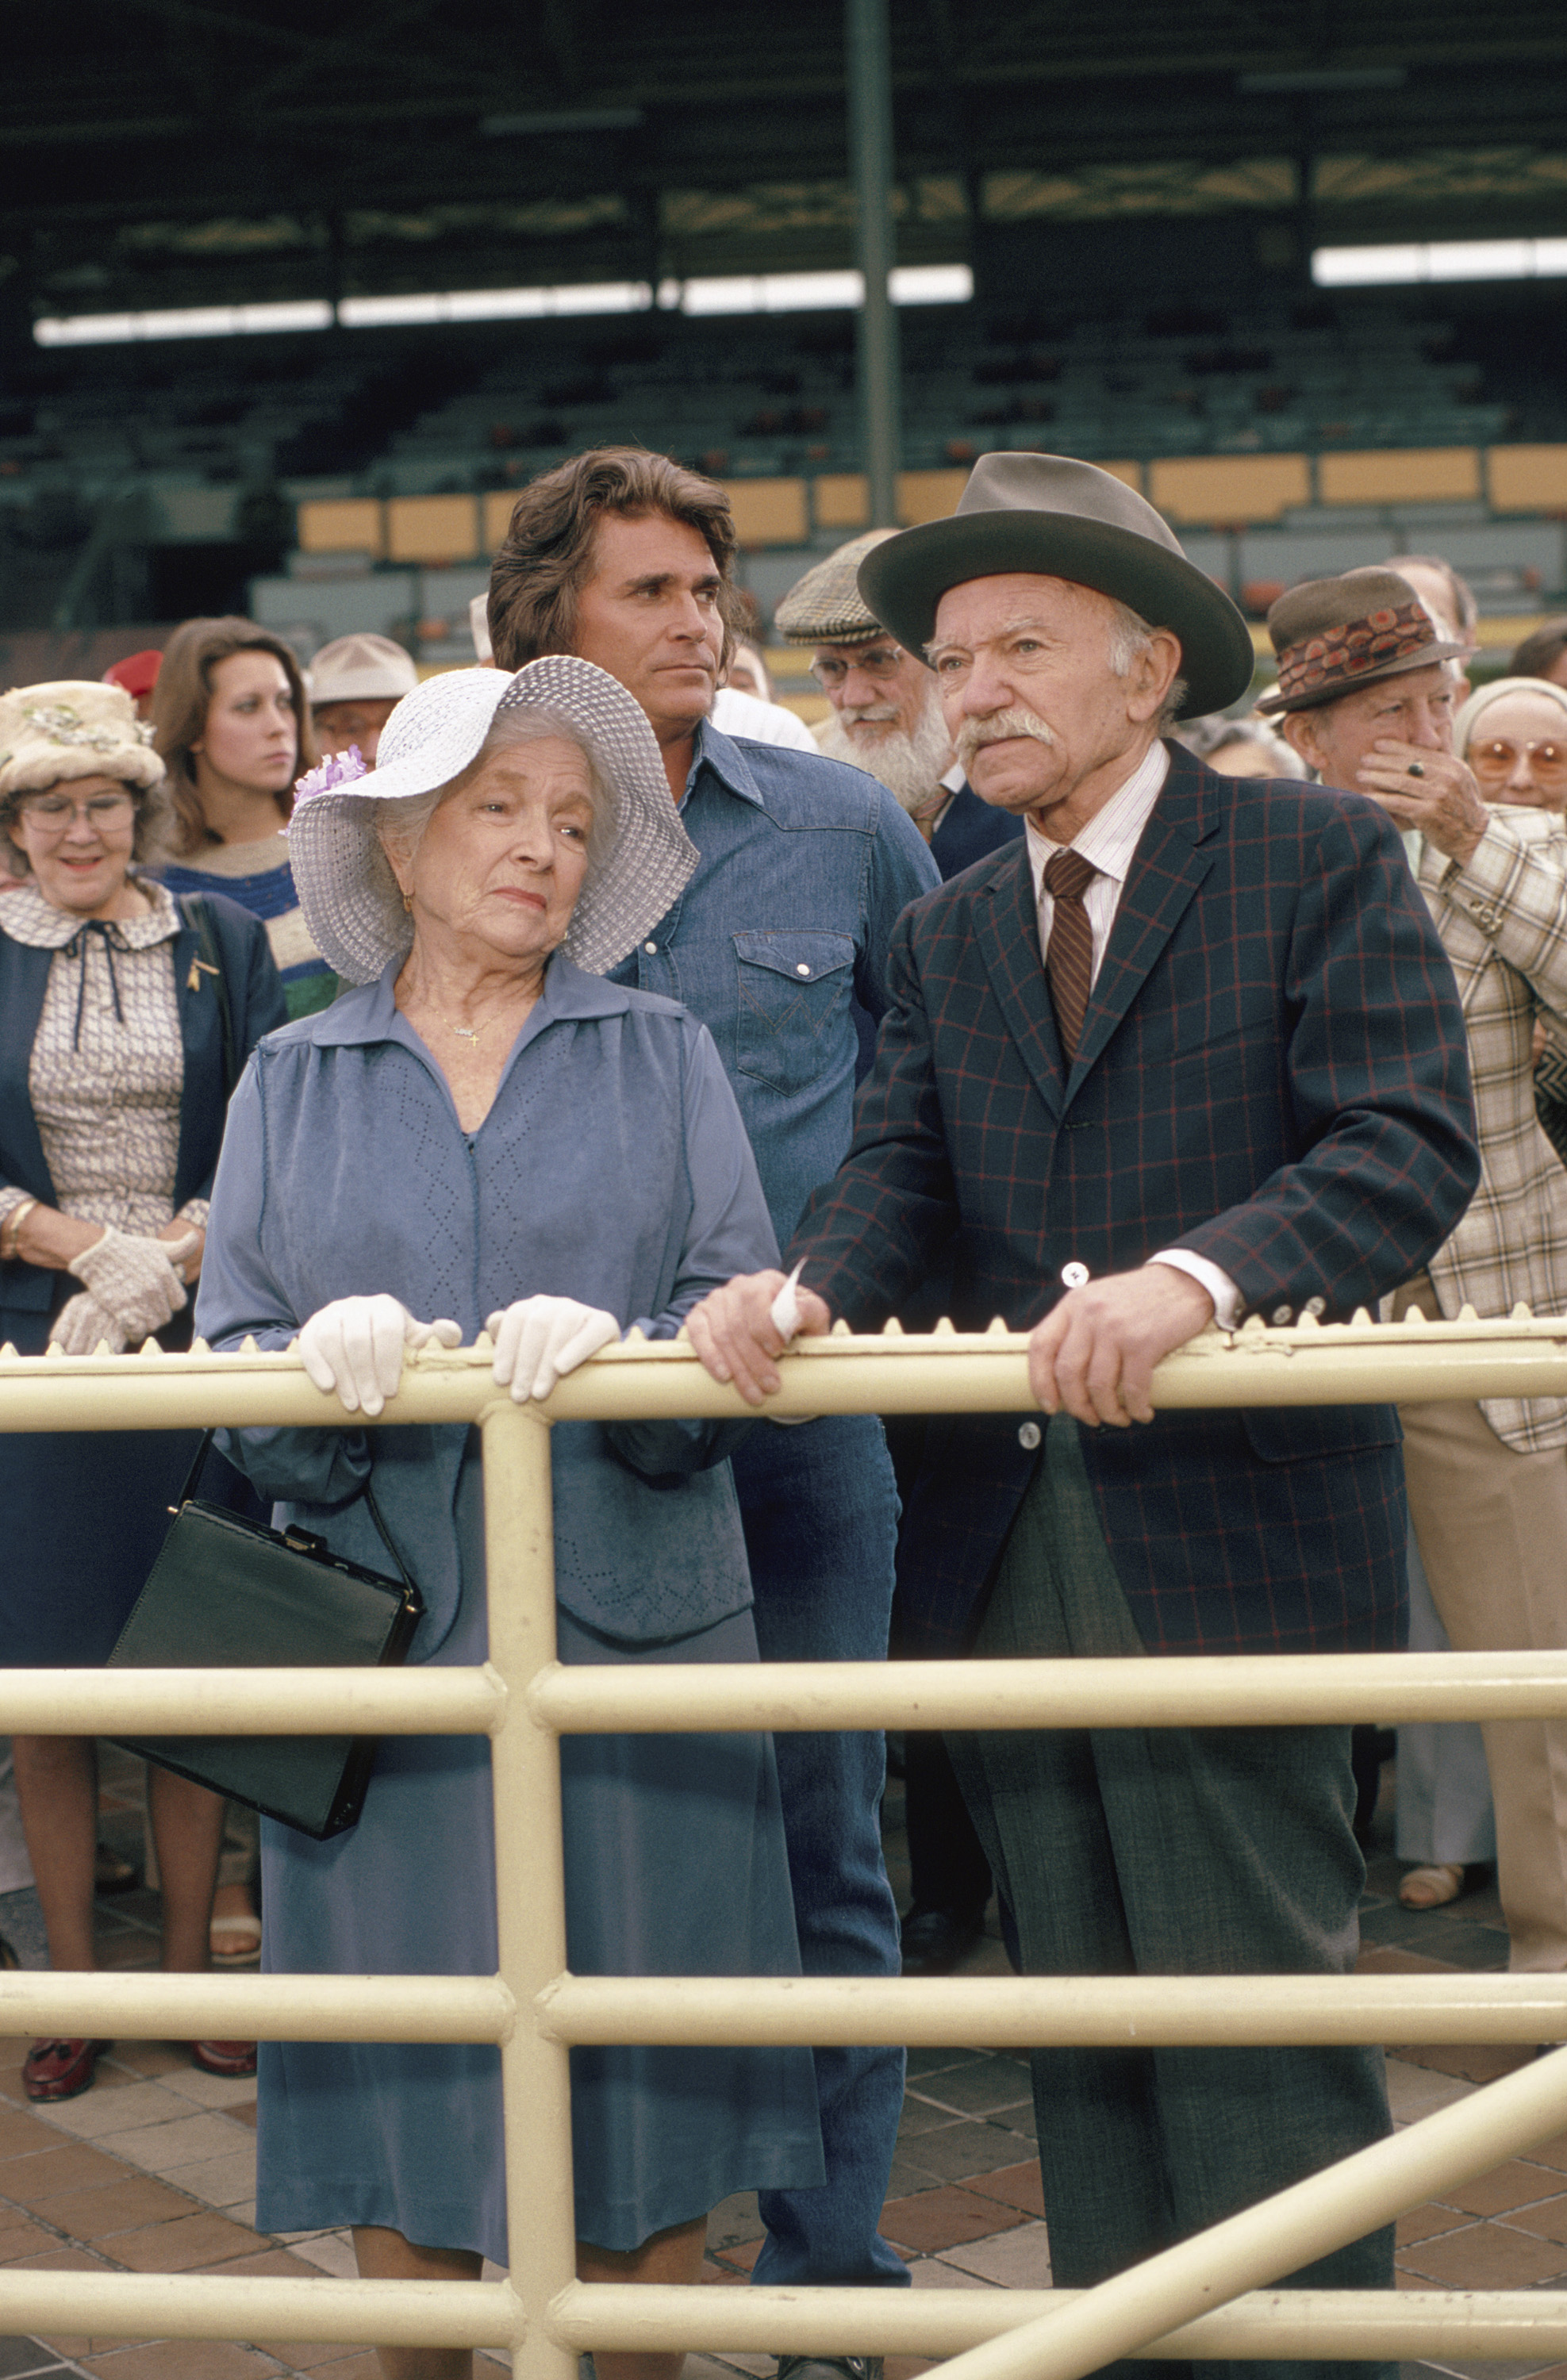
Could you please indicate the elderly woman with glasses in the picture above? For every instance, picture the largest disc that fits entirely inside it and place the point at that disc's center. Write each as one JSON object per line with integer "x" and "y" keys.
{"x": 126, "y": 1014}
{"x": 1514, "y": 735}
{"x": 485, "y": 1129}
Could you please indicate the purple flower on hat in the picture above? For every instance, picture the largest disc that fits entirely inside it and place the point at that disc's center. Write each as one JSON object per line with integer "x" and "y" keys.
{"x": 337, "y": 769}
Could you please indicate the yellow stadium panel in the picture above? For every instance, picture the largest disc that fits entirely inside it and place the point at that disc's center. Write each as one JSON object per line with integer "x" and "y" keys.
{"x": 1230, "y": 487}
{"x": 432, "y": 528}
{"x": 1132, "y": 473}
{"x": 841, "y": 500}
{"x": 350, "y": 525}
{"x": 769, "y": 512}
{"x": 1402, "y": 475}
{"x": 1528, "y": 478}
{"x": 497, "y": 518}
{"x": 929, "y": 495}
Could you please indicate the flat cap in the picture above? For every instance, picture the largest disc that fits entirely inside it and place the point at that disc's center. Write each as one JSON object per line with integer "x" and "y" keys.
{"x": 826, "y": 607}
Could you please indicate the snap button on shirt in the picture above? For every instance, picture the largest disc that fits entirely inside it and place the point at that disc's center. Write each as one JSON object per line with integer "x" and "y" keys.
{"x": 1030, "y": 1436}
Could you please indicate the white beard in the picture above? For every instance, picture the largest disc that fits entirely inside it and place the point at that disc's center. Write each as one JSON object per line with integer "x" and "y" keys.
{"x": 911, "y": 766}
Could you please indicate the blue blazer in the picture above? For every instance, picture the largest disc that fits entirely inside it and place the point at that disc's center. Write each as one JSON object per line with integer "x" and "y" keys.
{"x": 256, "y": 1005}
{"x": 970, "y": 831}
{"x": 1273, "y": 1073}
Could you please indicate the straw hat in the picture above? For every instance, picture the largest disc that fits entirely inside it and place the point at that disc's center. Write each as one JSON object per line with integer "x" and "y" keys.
{"x": 72, "y": 727}
{"x": 1480, "y": 701}
{"x": 826, "y": 607}
{"x": 1333, "y": 635}
{"x": 360, "y": 669}
{"x": 1052, "y": 516}
{"x": 345, "y": 886}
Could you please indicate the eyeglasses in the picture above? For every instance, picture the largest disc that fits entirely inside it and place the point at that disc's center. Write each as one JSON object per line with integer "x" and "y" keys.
{"x": 880, "y": 663}
{"x": 54, "y": 814}
{"x": 1497, "y": 758}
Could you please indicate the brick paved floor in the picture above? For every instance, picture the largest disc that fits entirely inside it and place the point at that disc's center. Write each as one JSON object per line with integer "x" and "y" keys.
{"x": 154, "y": 2169}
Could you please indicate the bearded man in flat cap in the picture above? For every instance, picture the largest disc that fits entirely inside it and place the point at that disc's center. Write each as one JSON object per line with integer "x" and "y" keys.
{"x": 885, "y": 715}
{"x": 1190, "y": 1052}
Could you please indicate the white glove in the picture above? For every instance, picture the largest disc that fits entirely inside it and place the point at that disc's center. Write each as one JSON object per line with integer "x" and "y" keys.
{"x": 355, "y": 1345}
{"x": 134, "y": 1279}
{"x": 82, "y": 1326}
{"x": 538, "y": 1340}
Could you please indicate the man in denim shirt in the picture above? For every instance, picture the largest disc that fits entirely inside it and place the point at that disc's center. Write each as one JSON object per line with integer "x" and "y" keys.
{"x": 624, "y": 558}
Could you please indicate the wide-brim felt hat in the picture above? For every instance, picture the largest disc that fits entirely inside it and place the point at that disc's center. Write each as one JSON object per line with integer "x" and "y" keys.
{"x": 643, "y": 859}
{"x": 1333, "y": 635}
{"x": 826, "y": 607}
{"x": 1052, "y": 516}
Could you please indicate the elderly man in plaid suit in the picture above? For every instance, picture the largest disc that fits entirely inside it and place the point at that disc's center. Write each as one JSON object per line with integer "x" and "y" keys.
{"x": 1487, "y": 1482}
{"x": 1191, "y": 1050}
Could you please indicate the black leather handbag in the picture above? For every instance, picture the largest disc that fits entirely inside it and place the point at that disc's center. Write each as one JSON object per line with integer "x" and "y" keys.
{"x": 228, "y": 1593}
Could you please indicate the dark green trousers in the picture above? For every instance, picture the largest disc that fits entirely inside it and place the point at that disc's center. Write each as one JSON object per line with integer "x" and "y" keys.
{"x": 1167, "y": 1851}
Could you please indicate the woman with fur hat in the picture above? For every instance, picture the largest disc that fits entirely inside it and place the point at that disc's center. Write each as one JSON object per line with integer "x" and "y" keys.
{"x": 125, "y": 1018}
{"x": 486, "y": 1127}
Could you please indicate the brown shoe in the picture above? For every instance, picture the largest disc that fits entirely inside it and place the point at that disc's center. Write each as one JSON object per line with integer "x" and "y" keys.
{"x": 61, "y": 2069}
{"x": 234, "y": 2058}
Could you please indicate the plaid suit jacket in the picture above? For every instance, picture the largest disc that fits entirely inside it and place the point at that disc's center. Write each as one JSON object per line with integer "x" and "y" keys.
{"x": 1271, "y": 1072}
{"x": 1503, "y": 918}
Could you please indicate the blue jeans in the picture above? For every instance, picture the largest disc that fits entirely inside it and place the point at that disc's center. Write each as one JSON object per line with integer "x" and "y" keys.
{"x": 820, "y": 1516}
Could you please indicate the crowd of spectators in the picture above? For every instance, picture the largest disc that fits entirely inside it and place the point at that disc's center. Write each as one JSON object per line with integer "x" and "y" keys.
{"x": 342, "y": 1007}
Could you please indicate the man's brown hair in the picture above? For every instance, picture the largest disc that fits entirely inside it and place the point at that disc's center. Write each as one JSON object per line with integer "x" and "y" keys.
{"x": 547, "y": 556}
{"x": 183, "y": 697}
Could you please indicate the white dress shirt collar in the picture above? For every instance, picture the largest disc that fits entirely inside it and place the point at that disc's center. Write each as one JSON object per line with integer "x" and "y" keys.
{"x": 1112, "y": 834}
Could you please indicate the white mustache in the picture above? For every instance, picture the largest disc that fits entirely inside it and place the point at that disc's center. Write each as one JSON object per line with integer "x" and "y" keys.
{"x": 873, "y": 712}
{"x": 1002, "y": 724}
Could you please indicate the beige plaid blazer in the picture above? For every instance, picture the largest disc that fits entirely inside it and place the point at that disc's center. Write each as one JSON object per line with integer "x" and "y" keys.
{"x": 1503, "y": 920}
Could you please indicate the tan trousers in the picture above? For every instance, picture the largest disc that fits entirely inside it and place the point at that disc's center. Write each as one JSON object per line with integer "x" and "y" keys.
{"x": 1492, "y": 1529}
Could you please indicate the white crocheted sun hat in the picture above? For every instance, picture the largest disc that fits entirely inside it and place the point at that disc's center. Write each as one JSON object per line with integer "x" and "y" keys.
{"x": 347, "y": 888}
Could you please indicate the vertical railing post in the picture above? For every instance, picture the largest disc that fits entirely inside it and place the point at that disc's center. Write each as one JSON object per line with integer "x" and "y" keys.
{"x": 529, "y": 1879}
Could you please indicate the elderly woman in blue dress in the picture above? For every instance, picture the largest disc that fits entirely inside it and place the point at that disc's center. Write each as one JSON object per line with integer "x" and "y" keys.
{"x": 486, "y": 1130}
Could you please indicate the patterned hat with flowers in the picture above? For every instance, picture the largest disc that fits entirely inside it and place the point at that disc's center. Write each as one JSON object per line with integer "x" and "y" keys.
{"x": 71, "y": 728}
{"x": 1333, "y": 635}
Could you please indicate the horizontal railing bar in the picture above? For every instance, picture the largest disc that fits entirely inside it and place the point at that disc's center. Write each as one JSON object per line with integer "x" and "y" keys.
{"x": 1228, "y": 1689}
{"x": 424, "y": 1700}
{"x": 1097, "y": 2011}
{"x": 1238, "y": 1689}
{"x": 155, "y": 2007}
{"x": 969, "y": 2011}
{"x": 209, "y": 2306}
{"x": 944, "y": 1372}
{"x": 1332, "y": 2325}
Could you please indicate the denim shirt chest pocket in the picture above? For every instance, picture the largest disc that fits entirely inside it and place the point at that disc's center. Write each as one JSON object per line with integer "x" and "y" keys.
{"x": 794, "y": 986}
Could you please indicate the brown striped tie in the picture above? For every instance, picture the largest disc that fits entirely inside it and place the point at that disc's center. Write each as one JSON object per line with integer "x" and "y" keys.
{"x": 1069, "y": 954}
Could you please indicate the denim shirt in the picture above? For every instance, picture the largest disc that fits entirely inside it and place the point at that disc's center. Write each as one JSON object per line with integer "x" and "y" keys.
{"x": 611, "y": 1168}
{"x": 806, "y": 864}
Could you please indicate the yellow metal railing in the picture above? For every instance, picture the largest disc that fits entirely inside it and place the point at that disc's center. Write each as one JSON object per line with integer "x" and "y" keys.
{"x": 1211, "y": 2296}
